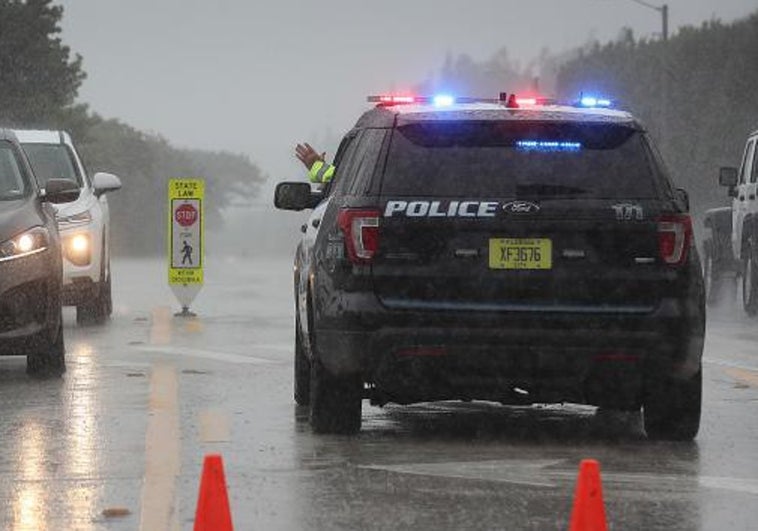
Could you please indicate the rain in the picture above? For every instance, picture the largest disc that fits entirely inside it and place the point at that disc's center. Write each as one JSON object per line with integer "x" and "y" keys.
{"x": 544, "y": 258}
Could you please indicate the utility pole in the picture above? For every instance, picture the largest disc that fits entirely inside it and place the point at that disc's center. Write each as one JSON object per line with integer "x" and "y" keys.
{"x": 664, "y": 99}
{"x": 664, "y": 11}
{"x": 665, "y": 16}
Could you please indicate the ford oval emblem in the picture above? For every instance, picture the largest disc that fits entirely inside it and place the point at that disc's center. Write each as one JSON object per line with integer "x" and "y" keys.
{"x": 521, "y": 207}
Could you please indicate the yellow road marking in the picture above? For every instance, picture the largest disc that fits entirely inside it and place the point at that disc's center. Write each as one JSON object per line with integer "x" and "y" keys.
{"x": 162, "y": 323}
{"x": 193, "y": 326}
{"x": 744, "y": 376}
{"x": 162, "y": 453}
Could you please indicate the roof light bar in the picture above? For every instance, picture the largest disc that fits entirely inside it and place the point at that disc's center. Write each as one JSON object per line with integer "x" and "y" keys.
{"x": 510, "y": 100}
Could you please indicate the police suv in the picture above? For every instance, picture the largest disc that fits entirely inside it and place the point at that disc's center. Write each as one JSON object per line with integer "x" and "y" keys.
{"x": 517, "y": 251}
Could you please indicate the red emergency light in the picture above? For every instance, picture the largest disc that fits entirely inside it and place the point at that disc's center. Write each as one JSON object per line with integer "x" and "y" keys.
{"x": 530, "y": 101}
{"x": 392, "y": 99}
{"x": 526, "y": 101}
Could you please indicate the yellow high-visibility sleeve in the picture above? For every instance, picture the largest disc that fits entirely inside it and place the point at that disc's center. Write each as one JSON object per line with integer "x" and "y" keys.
{"x": 321, "y": 172}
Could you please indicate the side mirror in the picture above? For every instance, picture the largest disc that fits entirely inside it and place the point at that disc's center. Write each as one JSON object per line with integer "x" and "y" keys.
{"x": 60, "y": 191}
{"x": 295, "y": 196}
{"x": 683, "y": 197}
{"x": 728, "y": 177}
{"x": 105, "y": 182}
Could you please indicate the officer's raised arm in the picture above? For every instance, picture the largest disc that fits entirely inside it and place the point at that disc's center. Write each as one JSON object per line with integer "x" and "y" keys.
{"x": 319, "y": 171}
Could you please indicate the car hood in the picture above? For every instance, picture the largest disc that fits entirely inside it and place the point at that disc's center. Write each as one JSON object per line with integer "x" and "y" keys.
{"x": 18, "y": 216}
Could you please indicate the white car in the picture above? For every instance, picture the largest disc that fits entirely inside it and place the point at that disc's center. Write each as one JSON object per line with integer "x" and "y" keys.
{"x": 84, "y": 224}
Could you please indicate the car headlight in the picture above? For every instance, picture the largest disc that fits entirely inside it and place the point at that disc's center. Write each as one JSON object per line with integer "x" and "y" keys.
{"x": 33, "y": 241}
{"x": 82, "y": 218}
{"x": 78, "y": 248}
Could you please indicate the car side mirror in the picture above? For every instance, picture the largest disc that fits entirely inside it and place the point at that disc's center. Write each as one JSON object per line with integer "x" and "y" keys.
{"x": 60, "y": 191}
{"x": 683, "y": 198}
{"x": 105, "y": 182}
{"x": 295, "y": 196}
{"x": 728, "y": 177}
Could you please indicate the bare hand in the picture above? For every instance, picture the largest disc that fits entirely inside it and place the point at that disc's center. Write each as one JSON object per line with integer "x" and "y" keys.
{"x": 307, "y": 155}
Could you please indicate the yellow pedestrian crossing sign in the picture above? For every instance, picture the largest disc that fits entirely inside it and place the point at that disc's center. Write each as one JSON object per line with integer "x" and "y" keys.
{"x": 185, "y": 237}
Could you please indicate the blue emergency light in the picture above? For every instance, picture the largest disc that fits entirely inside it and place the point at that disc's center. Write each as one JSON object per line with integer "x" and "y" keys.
{"x": 593, "y": 102}
{"x": 443, "y": 100}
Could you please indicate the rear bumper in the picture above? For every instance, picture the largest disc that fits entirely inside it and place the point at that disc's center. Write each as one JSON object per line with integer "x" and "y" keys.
{"x": 565, "y": 355}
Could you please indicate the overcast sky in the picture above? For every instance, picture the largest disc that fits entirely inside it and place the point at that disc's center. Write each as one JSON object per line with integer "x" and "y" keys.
{"x": 258, "y": 76}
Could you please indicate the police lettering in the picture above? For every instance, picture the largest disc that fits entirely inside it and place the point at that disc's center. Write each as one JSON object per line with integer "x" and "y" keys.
{"x": 441, "y": 209}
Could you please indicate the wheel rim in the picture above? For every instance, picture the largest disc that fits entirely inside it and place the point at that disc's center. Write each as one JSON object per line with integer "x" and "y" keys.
{"x": 707, "y": 274}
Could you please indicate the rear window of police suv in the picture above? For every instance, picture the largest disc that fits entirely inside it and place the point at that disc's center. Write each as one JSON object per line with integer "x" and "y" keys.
{"x": 521, "y": 159}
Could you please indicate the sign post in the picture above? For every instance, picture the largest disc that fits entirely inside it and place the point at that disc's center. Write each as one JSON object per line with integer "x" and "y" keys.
{"x": 185, "y": 240}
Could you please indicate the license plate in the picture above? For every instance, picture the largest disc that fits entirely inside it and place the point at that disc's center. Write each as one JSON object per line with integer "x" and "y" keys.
{"x": 521, "y": 253}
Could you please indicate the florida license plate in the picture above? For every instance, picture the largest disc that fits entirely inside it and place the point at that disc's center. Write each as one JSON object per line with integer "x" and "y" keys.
{"x": 521, "y": 253}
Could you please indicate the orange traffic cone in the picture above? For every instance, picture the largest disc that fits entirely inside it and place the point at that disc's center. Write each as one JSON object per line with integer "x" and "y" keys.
{"x": 588, "y": 513}
{"x": 213, "y": 512}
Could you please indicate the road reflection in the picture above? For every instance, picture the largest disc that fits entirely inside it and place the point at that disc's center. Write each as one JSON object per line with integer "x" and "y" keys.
{"x": 50, "y": 430}
{"x": 460, "y": 465}
{"x": 30, "y": 498}
{"x": 80, "y": 446}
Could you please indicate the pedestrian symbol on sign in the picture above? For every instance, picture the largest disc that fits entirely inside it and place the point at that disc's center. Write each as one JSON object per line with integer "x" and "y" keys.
{"x": 186, "y": 253}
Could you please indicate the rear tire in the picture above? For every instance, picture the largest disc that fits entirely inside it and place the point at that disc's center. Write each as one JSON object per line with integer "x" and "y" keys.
{"x": 302, "y": 371}
{"x": 750, "y": 279}
{"x": 335, "y": 401}
{"x": 50, "y": 362}
{"x": 671, "y": 410}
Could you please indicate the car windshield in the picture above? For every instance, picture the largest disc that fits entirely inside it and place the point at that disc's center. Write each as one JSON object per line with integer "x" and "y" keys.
{"x": 525, "y": 160}
{"x": 12, "y": 183}
{"x": 51, "y": 161}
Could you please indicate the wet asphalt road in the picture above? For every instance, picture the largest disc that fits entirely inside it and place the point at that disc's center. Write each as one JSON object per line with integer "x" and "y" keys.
{"x": 147, "y": 395}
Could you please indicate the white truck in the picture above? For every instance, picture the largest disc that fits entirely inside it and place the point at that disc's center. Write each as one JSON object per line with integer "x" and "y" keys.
{"x": 730, "y": 249}
{"x": 84, "y": 224}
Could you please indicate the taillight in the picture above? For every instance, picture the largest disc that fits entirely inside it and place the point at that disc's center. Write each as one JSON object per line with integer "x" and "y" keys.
{"x": 674, "y": 238}
{"x": 361, "y": 228}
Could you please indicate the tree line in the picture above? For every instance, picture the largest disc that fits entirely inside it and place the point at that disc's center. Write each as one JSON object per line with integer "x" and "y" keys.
{"x": 39, "y": 82}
